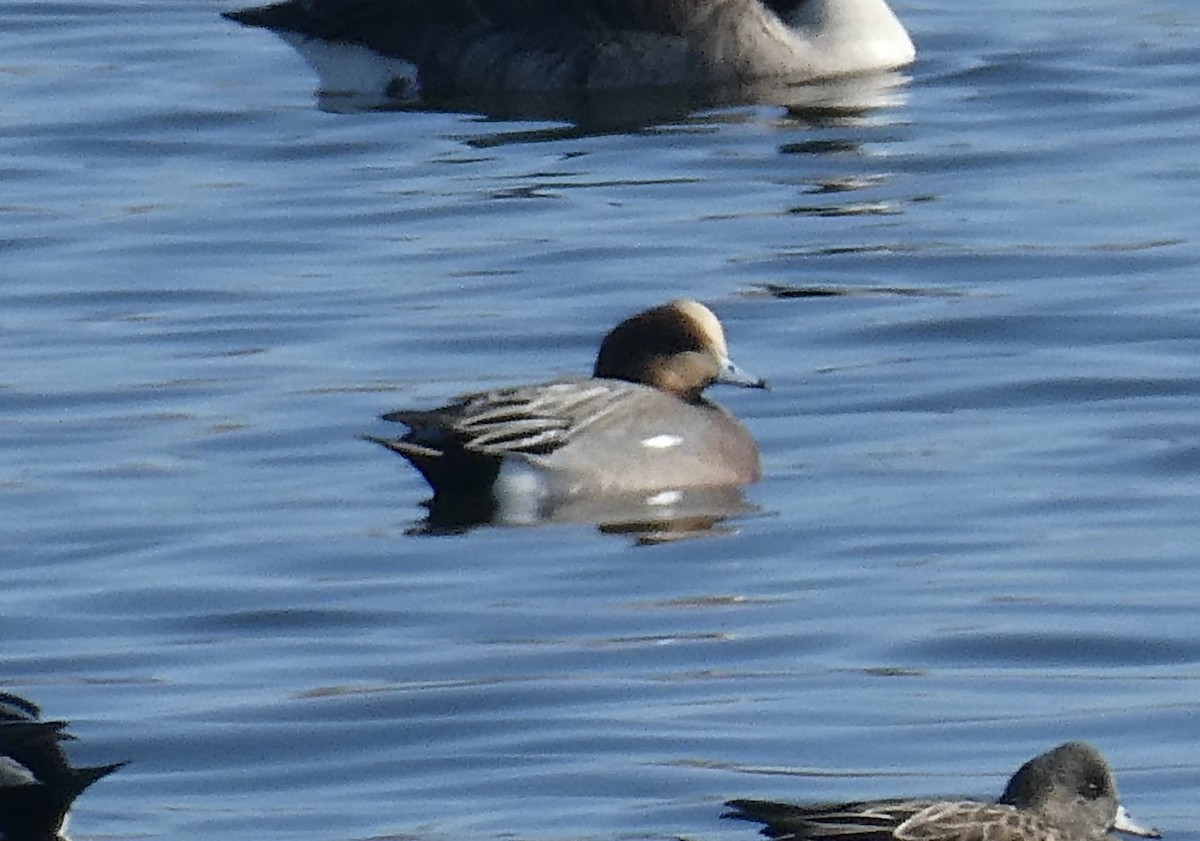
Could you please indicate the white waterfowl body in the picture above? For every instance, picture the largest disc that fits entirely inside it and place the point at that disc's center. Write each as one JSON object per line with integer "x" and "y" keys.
{"x": 476, "y": 46}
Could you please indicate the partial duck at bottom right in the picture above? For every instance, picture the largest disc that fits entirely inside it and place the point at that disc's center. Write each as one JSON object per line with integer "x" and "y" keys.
{"x": 1066, "y": 794}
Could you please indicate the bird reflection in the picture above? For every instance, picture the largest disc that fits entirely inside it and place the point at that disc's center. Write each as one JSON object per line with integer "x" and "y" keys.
{"x": 686, "y": 514}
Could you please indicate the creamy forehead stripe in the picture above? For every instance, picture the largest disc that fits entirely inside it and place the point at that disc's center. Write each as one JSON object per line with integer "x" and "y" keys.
{"x": 662, "y": 442}
{"x": 703, "y": 317}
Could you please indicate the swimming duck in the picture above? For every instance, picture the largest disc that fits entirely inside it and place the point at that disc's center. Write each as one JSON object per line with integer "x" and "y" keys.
{"x": 639, "y": 425}
{"x": 1066, "y": 794}
{"x": 37, "y": 782}
{"x": 477, "y": 46}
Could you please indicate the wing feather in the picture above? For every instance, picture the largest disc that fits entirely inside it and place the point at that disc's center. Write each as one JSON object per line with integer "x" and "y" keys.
{"x": 895, "y": 820}
{"x": 529, "y": 420}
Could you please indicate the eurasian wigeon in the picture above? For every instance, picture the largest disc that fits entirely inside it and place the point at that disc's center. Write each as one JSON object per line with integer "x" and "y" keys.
{"x": 639, "y": 425}
{"x": 1066, "y": 794}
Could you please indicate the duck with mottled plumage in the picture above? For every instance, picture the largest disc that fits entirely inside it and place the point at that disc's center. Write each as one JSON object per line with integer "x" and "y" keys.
{"x": 1066, "y": 794}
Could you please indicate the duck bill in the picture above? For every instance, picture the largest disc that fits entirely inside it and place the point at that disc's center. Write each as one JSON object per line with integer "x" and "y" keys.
{"x": 731, "y": 374}
{"x": 1124, "y": 823}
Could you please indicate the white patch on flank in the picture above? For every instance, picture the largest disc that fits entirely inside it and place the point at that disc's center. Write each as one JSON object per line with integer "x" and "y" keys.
{"x": 665, "y": 498}
{"x": 349, "y": 69}
{"x": 519, "y": 492}
{"x": 13, "y": 773}
{"x": 662, "y": 442}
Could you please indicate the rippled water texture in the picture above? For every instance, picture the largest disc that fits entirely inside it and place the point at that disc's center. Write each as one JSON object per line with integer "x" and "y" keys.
{"x": 976, "y": 533}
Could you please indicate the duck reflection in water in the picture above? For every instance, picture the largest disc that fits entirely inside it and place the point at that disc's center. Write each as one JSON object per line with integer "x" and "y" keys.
{"x": 38, "y": 784}
{"x": 635, "y": 443}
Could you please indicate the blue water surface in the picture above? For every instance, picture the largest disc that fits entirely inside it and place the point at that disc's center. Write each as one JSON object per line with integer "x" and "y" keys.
{"x": 976, "y": 533}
